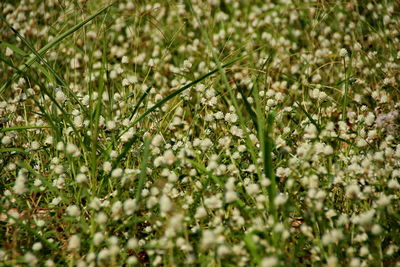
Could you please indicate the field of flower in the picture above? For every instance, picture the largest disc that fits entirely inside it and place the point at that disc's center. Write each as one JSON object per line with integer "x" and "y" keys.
{"x": 199, "y": 133}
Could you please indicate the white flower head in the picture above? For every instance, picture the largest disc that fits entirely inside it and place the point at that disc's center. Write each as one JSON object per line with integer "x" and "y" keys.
{"x": 74, "y": 243}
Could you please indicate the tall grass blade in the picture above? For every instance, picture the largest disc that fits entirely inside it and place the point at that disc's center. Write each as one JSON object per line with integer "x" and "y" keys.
{"x": 16, "y": 128}
{"x": 143, "y": 168}
{"x": 140, "y": 102}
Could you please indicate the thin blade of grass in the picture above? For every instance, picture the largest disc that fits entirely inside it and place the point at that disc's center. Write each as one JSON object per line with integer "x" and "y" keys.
{"x": 309, "y": 116}
{"x": 204, "y": 170}
{"x": 268, "y": 166}
{"x": 14, "y": 48}
{"x": 266, "y": 65}
{"x": 125, "y": 150}
{"x": 16, "y": 128}
{"x": 140, "y": 102}
{"x": 142, "y": 175}
{"x": 249, "y": 110}
{"x": 13, "y": 149}
{"x": 251, "y": 246}
{"x": 94, "y": 122}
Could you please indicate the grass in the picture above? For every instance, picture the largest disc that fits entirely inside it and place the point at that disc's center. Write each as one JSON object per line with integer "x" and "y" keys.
{"x": 199, "y": 133}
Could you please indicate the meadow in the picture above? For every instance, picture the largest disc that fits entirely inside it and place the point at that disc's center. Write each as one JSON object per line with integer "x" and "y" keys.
{"x": 199, "y": 133}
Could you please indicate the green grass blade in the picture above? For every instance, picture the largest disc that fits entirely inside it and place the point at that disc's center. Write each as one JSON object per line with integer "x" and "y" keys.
{"x": 204, "y": 170}
{"x": 143, "y": 168}
{"x": 249, "y": 110}
{"x": 16, "y": 128}
{"x": 309, "y": 116}
{"x": 14, "y": 48}
{"x": 251, "y": 246}
{"x": 268, "y": 166}
{"x": 13, "y": 149}
{"x": 125, "y": 150}
{"x": 140, "y": 102}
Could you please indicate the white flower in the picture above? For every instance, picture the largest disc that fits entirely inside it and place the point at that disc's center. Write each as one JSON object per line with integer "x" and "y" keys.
{"x": 37, "y": 246}
{"x": 116, "y": 208}
{"x": 253, "y": 189}
{"x": 200, "y": 212}
{"x": 78, "y": 122}
{"x": 30, "y": 259}
{"x": 101, "y": 218}
{"x": 6, "y": 140}
{"x": 376, "y": 229}
{"x": 223, "y": 250}
{"x": 169, "y": 157}
{"x": 213, "y": 202}
{"x": 157, "y": 140}
{"x": 35, "y": 145}
{"x": 48, "y": 140}
{"x": 187, "y": 64}
{"x": 111, "y": 125}
{"x": 370, "y": 119}
{"x": 280, "y": 199}
{"x": 73, "y": 211}
{"x": 60, "y": 146}
{"x": 19, "y": 187}
{"x": 107, "y": 166}
{"x": 393, "y": 184}
{"x": 37, "y": 182}
{"x": 55, "y": 201}
{"x": 128, "y": 135}
{"x": 131, "y": 260}
{"x": 81, "y": 178}
{"x": 383, "y": 201}
{"x": 328, "y": 150}
{"x": 364, "y": 218}
{"x": 98, "y": 238}
{"x": 74, "y": 243}
{"x": 343, "y": 52}
{"x": 208, "y": 238}
{"x": 310, "y": 132}
{"x": 352, "y": 191}
{"x": 165, "y": 204}
{"x": 331, "y": 261}
{"x": 60, "y": 97}
{"x": 49, "y": 263}
{"x": 269, "y": 261}
{"x": 125, "y": 60}
{"x": 132, "y": 243}
{"x": 104, "y": 254}
{"x": 116, "y": 173}
{"x": 172, "y": 177}
{"x": 9, "y": 52}
{"x": 206, "y": 144}
{"x": 129, "y": 206}
{"x": 230, "y": 196}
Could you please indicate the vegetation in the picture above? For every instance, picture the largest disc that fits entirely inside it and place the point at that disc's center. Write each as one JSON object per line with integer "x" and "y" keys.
{"x": 199, "y": 133}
